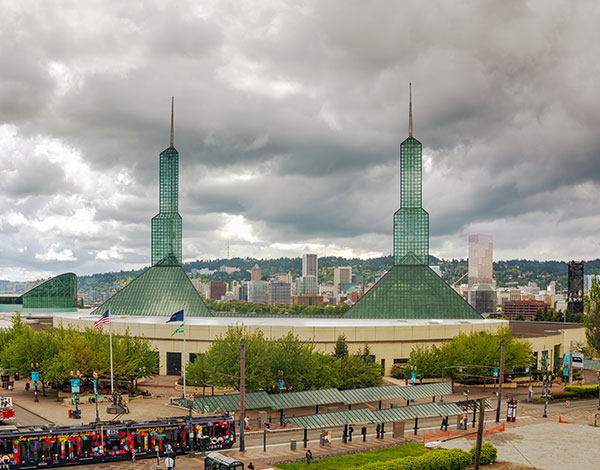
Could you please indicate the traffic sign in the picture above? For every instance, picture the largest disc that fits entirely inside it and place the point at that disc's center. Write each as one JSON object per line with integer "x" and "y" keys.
{"x": 35, "y": 376}
{"x": 566, "y": 371}
{"x": 75, "y": 385}
{"x": 577, "y": 360}
{"x": 413, "y": 377}
{"x": 95, "y": 387}
{"x": 496, "y": 372}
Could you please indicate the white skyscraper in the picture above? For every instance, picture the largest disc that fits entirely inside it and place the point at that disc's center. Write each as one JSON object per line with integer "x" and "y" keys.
{"x": 481, "y": 259}
{"x": 310, "y": 266}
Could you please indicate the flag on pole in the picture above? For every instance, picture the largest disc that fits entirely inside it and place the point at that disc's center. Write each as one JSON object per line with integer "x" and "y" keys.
{"x": 104, "y": 319}
{"x": 177, "y": 316}
{"x": 179, "y": 329}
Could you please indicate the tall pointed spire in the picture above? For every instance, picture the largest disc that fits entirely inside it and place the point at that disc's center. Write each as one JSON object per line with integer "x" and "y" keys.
{"x": 409, "y": 110}
{"x": 172, "y": 128}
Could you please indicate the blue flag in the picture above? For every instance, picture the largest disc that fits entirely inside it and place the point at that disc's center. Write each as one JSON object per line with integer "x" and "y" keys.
{"x": 178, "y": 316}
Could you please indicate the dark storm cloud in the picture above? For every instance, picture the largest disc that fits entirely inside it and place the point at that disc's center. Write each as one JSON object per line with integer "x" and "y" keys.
{"x": 288, "y": 121}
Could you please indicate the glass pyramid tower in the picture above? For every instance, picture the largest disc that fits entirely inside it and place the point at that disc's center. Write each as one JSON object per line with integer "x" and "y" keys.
{"x": 164, "y": 288}
{"x": 411, "y": 289}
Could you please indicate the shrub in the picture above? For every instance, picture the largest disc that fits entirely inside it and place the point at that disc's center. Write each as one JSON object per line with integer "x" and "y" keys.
{"x": 583, "y": 390}
{"x": 488, "y": 455}
{"x": 440, "y": 459}
{"x": 563, "y": 395}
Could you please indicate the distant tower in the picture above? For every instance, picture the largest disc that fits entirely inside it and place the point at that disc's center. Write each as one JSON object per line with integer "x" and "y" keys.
{"x": 310, "y": 265}
{"x": 255, "y": 273}
{"x": 166, "y": 225}
{"x": 411, "y": 221}
{"x": 575, "y": 280}
{"x": 481, "y": 259}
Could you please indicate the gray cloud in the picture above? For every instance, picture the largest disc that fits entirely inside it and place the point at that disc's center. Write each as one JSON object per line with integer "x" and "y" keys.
{"x": 288, "y": 121}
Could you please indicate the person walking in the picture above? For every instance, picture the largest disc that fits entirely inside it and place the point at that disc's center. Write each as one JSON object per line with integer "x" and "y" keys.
{"x": 169, "y": 462}
{"x": 308, "y": 457}
{"x": 250, "y": 466}
{"x": 350, "y": 431}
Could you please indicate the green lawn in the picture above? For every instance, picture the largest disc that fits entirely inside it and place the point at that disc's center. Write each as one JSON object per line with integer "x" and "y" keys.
{"x": 351, "y": 461}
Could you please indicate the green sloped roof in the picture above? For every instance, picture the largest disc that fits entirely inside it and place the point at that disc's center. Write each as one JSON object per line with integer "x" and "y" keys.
{"x": 403, "y": 413}
{"x": 223, "y": 403}
{"x": 306, "y": 398}
{"x": 369, "y": 394}
{"x": 435, "y": 389}
{"x": 158, "y": 291}
{"x": 339, "y": 418}
{"x": 451, "y": 409}
{"x": 412, "y": 292}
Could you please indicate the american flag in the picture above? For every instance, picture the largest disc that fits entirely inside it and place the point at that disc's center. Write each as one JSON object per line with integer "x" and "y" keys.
{"x": 104, "y": 318}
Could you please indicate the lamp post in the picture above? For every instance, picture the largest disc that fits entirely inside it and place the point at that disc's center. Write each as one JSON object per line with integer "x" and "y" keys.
{"x": 34, "y": 368}
{"x": 545, "y": 384}
{"x": 530, "y": 389}
{"x": 95, "y": 374}
{"x": 598, "y": 390}
{"x": 460, "y": 368}
{"x": 76, "y": 397}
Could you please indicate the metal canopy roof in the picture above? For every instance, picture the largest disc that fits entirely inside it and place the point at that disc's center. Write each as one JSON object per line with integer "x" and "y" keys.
{"x": 289, "y": 400}
{"x": 365, "y": 395}
{"x": 364, "y": 415}
{"x": 283, "y": 401}
{"x": 340, "y": 418}
{"x": 221, "y": 403}
{"x": 435, "y": 389}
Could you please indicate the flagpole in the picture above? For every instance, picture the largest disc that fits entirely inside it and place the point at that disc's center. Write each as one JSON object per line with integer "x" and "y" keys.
{"x": 112, "y": 387}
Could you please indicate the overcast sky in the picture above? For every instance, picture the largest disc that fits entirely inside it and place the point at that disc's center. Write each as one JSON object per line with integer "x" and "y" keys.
{"x": 289, "y": 117}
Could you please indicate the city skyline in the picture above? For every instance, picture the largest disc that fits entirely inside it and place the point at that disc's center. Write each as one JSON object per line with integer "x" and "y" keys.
{"x": 289, "y": 125}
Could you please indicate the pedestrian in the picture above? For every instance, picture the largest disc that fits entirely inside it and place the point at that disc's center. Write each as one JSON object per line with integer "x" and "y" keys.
{"x": 308, "y": 457}
{"x": 350, "y": 431}
{"x": 378, "y": 429}
{"x": 169, "y": 462}
{"x": 250, "y": 466}
{"x": 27, "y": 387}
{"x": 247, "y": 423}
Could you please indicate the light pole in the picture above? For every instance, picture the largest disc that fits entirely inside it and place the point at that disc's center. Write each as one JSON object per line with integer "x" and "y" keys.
{"x": 545, "y": 383}
{"x": 598, "y": 390}
{"x": 76, "y": 397}
{"x": 530, "y": 389}
{"x": 34, "y": 368}
{"x": 95, "y": 374}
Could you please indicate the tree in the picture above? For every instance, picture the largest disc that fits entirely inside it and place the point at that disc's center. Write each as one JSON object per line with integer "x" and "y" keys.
{"x": 592, "y": 317}
{"x": 341, "y": 348}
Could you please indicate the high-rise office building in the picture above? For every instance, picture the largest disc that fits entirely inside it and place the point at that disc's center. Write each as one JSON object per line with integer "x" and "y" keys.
{"x": 306, "y": 285}
{"x": 575, "y": 284}
{"x": 481, "y": 259}
{"x": 255, "y": 273}
{"x": 257, "y": 292}
{"x": 310, "y": 266}
{"x": 342, "y": 275}
{"x": 279, "y": 293}
{"x": 217, "y": 289}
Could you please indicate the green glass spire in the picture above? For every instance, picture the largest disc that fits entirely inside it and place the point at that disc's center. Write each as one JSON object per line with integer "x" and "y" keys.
{"x": 166, "y": 225}
{"x": 411, "y": 221}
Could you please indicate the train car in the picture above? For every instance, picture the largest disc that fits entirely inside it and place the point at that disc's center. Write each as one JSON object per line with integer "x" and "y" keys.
{"x": 112, "y": 441}
{"x": 6, "y": 409}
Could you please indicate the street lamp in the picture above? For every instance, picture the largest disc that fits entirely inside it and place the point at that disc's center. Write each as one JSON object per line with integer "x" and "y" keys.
{"x": 545, "y": 383}
{"x": 598, "y": 390}
{"x": 34, "y": 368}
{"x": 76, "y": 397}
{"x": 460, "y": 368}
{"x": 95, "y": 374}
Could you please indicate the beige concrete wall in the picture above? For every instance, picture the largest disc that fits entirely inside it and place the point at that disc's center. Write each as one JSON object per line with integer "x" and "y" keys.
{"x": 562, "y": 339}
{"x": 386, "y": 342}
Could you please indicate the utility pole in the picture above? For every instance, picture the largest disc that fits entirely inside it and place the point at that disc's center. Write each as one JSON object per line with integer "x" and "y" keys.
{"x": 571, "y": 364}
{"x": 242, "y": 394}
{"x": 500, "y": 380}
{"x": 479, "y": 433}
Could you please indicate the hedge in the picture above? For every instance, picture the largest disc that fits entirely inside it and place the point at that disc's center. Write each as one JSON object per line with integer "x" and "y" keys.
{"x": 440, "y": 459}
{"x": 583, "y": 390}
